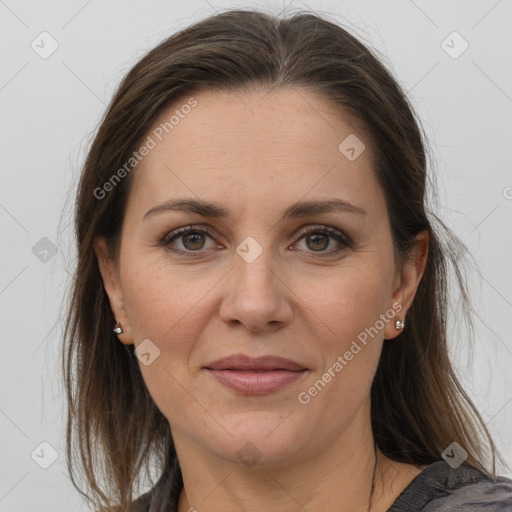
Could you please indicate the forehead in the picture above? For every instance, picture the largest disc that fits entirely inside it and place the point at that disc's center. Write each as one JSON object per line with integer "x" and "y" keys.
{"x": 254, "y": 144}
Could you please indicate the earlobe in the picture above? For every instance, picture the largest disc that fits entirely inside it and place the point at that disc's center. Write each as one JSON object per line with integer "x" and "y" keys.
{"x": 408, "y": 279}
{"x": 123, "y": 335}
{"x": 113, "y": 290}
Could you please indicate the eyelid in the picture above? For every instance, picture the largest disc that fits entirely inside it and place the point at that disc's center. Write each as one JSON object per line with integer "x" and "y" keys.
{"x": 176, "y": 233}
{"x": 314, "y": 228}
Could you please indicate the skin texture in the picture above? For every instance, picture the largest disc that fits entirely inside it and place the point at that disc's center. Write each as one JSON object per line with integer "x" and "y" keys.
{"x": 255, "y": 154}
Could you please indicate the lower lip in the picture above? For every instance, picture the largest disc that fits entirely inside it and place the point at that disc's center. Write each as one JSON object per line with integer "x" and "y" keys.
{"x": 256, "y": 383}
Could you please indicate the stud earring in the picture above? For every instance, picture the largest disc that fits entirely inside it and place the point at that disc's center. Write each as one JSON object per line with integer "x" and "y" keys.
{"x": 399, "y": 324}
{"x": 118, "y": 329}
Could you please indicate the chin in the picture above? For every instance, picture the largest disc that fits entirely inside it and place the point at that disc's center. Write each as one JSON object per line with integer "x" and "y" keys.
{"x": 261, "y": 438}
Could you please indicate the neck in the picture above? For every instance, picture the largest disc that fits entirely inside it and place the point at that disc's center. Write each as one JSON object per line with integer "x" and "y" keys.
{"x": 339, "y": 476}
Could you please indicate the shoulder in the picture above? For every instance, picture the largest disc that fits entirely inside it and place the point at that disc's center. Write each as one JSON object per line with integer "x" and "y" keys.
{"x": 442, "y": 488}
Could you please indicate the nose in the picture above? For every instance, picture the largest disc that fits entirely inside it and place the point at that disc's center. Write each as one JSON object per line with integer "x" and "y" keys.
{"x": 256, "y": 295}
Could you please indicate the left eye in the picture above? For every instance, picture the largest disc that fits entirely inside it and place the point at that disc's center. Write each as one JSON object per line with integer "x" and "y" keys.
{"x": 318, "y": 239}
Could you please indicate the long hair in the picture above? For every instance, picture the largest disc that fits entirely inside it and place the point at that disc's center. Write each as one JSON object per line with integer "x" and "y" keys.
{"x": 418, "y": 406}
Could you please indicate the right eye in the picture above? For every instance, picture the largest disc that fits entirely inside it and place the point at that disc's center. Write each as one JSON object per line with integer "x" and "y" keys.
{"x": 192, "y": 239}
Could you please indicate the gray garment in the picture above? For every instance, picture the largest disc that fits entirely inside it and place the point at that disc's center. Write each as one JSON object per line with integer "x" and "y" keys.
{"x": 438, "y": 488}
{"x": 441, "y": 488}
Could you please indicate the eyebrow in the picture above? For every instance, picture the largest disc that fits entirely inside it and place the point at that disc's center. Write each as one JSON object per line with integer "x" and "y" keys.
{"x": 299, "y": 209}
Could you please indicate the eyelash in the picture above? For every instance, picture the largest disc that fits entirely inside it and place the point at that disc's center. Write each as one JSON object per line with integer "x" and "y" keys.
{"x": 337, "y": 235}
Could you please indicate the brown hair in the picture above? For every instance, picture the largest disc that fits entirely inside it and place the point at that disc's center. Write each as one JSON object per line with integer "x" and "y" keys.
{"x": 418, "y": 406}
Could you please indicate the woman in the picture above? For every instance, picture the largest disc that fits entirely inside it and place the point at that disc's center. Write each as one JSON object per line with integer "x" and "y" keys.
{"x": 260, "y": 302}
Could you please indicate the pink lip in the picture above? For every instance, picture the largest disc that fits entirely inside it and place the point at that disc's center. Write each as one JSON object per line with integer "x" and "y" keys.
{"x": 256, "y": 383}
{"x": 255, "y": 376}
{"x": 264, "y": 363}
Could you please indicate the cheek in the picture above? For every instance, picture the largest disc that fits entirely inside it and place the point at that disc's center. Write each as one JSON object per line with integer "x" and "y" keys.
{"x": 170, "y": 307}
{"x": 166, "y": 310}
{"x": 166, "y": 305}
{"x": 352, "y": 313}
{"x": 350, "y": 305}
{"x": 350, "y": 348}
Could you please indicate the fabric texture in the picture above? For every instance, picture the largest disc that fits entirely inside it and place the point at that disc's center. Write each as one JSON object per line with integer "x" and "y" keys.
{"x": 439, "y": 488}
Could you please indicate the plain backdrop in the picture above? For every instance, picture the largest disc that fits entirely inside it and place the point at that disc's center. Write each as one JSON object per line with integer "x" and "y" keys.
{"x": 51, "y": 104}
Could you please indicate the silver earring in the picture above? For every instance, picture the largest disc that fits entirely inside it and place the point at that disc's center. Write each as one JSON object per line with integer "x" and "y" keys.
{"x": 399, "y": 324}
{"x": 118, "y": 329}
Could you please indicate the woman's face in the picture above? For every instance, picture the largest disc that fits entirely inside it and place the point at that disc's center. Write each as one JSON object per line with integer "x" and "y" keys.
{"x": 253, "y": 172}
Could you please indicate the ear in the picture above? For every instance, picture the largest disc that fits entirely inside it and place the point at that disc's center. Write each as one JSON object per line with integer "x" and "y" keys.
{"x": 112, "y": 285}
{"x": 406, "y": 283}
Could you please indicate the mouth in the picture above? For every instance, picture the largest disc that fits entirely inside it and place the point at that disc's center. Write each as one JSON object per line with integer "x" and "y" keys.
{"x": 255, "y": 376}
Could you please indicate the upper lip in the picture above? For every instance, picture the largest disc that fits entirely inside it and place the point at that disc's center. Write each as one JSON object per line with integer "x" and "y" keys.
{"x": 243, "y": 362}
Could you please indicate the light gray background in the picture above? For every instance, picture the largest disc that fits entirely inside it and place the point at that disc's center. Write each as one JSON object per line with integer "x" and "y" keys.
{"x": 49, "y": 108}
